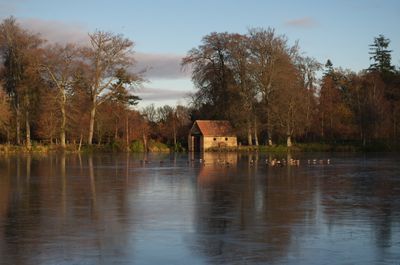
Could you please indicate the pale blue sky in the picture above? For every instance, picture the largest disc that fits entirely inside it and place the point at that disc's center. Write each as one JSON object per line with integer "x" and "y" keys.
{"x": 165, "y": 30}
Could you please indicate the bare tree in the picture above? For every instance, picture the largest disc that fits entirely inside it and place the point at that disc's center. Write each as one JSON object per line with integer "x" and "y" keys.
{"x": 308, "y": 68}
{"x": 212, "y": 76}
{"x": 289, "y": 108}
{"x": 238, "y": 58}
{"x": 268, "y": 58}
{"x": 107, "y": 54}
{"x": 60, "y": 68}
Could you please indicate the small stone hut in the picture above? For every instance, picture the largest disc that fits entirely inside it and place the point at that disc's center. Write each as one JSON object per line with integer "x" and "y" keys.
{"x": 206, "y": 134}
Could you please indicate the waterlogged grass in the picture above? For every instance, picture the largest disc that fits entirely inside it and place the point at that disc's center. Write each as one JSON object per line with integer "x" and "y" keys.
{"x": 313, "y": 147}
{"x": 253, "y": 148}
{"x": 376, "y": 146}
{"x": 137, "y": 146}
{"x": 7, "y": 149}
{"x": 157, "y": 147}
{"x": 276, "y": 148}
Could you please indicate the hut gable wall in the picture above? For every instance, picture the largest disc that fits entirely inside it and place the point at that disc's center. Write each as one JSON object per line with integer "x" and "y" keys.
{"x": 219, "y": 141}
{"x": 206, "y": 134}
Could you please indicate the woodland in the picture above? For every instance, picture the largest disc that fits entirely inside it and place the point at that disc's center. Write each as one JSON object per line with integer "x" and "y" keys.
{"x": 72, "y": 96}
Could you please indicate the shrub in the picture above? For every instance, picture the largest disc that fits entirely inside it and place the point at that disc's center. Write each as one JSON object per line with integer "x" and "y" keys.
{"x": 155, "y": 146}
{"x": 137, "y": 146}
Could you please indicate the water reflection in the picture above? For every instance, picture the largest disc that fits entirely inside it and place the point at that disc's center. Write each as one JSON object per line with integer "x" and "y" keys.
{"x": 223, "y": 208}
{"x": 249, "y": 213}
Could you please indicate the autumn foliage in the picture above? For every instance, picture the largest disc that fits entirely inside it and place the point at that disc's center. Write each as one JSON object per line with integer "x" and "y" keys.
{"x": 71, "y": 95}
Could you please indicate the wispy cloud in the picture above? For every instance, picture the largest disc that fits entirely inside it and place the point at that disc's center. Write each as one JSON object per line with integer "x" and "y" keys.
{"x": 156, "y": 65}
{"x": 304, "y": 22}
{"x": 55, "y": 31}
{"x": 159, "y": 94}
{"x": 161, "y": 66}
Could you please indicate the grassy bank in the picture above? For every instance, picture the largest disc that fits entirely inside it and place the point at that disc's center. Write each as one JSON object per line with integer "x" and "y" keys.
{"x": 314, "y": 147}
{"x": 377, "y": 146}
{"x": 135, "y": 147}
{"x": 157, "y": 147}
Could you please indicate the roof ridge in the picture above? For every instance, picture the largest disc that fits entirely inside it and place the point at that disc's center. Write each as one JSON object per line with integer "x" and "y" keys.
{"x": 215, "y": 127}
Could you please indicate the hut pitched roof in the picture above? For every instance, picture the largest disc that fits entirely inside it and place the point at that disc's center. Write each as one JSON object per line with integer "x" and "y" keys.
{"x": 215, "y": 128}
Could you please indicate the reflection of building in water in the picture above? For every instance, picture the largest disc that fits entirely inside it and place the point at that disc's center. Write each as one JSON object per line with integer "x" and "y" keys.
{"x": 239, "y": 204}
{"x": 223, "y": 158}
{"x": 206, "y": 134}
{"x": 216, "y": 168}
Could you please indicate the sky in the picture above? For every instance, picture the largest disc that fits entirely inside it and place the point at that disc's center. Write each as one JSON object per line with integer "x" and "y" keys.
{"x": 164, "y": 31}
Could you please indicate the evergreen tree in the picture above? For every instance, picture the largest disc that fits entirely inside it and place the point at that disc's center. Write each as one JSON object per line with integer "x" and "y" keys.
{"x": 381, "y": 55}
{"x": 329, "y": 66}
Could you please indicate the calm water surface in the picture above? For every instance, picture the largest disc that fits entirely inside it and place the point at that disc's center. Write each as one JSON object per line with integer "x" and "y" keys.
{"x": 232, "y": 209}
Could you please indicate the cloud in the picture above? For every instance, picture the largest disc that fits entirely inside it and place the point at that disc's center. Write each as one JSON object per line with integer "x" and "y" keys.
{"x": 56, "y": 31}
{"x": 161, "y": 66}
{"x": 158, "y": 94}
{"x": 156, "y": 65}
{"x": 305, "y": 22}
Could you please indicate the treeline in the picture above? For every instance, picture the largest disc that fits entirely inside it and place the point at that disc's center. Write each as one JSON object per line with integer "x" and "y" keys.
{"x": 74, "y": 95}
{"x": 271, "y": 92}
{"x": 71, "y": 94}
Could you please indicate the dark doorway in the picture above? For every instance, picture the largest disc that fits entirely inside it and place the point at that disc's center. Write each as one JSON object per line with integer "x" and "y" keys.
{"x": 196, "y": 143}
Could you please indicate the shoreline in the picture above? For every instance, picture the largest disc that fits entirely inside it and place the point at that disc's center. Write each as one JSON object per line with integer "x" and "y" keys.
{"x": 297, "y": 148}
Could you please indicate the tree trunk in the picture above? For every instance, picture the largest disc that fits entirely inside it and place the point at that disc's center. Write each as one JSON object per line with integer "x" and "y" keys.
{"x": 268, "y": 110}
{"x": 174, "y": 132}
{"x": 28, "y": 131}
{"x": 91, "y": 123}
{"x": 175, "y": 142}
{"x": 18, "y": 124}
{"x": 63, "y": 120}
{"x": 394, "y": 127}
{"x": 8, "y": 136}
{"x": 127, "y": 133}
{"x": 144, "y": 142}
{"x": 249, "y": 137}
{"x": 269, "y": 128}
{"x": 255, "y": 133}
{"x": 289, "y": 141}
{"x": 322, "y": 126}
{"x": 116, "y": 132}
{"x": 308, "y": 122}
{"x": 80, "y": 142}
{"x": 99, "y": 134}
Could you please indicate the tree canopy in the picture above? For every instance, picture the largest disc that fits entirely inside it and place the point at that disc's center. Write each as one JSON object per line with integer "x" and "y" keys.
{"x": 271, "y": 92}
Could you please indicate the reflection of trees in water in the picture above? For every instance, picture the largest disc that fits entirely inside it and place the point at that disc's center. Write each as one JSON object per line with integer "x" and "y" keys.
{"x": 363, "y": 196}
{"x": 5, "y": 194}
{"x": 249, "y": 212}
{"x": 84, "y": 209}
{"x": 19, "y": 200}
{"x": 49, "y": 203}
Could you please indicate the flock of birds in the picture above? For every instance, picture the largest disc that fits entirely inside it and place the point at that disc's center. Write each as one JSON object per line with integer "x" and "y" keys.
{"x": 272, "y": 163}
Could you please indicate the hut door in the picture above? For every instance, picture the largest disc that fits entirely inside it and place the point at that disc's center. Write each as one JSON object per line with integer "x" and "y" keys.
{"x": 196, "y": 143}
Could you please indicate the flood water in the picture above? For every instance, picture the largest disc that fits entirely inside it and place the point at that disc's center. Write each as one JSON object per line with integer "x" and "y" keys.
{"x": 178, "y": 209}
